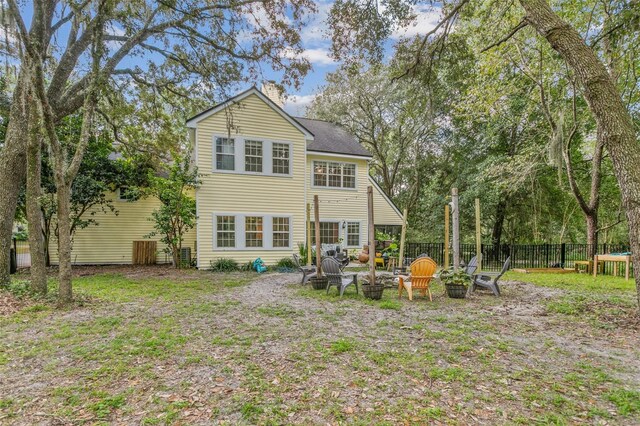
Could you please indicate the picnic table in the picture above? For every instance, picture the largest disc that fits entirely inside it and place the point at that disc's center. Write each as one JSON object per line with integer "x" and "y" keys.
{"x": 615, "y": 258}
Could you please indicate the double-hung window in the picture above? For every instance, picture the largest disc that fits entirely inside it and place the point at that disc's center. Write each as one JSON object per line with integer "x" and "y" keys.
{"x": 253, "y": 156}
{"x": 281, "y": 153}
{"x": 226, "y": 231}
{"x": 332, "y": 174}
{"x": 329, "y": 232}
{"x": 281, "y": 232}
{"x": 353, "y": 234}
{"x": 253, "y": 231}
{"x": 225, "y": 154}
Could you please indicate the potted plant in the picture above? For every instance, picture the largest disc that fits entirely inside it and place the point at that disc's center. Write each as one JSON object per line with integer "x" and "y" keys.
{"x": 456, "y": 283}
{"x": 373, "y": 291}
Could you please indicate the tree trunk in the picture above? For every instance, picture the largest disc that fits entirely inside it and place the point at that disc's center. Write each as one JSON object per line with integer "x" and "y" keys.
{"x": 592, "y": 234}
{"x": 498, "y": 224}
{"x": 38, "y": 268}
{"x": 64, "y": 240}
{"x": 13, "y": 170}
{"x": 612, "y": 118}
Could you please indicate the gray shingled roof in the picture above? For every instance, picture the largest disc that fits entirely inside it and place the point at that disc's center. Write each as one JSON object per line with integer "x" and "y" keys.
{"x": 329, "y": 137}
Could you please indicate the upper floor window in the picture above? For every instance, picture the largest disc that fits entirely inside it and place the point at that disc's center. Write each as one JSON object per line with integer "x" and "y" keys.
{"x": 281, "y": 154}
{"x": 225, "y": 154}
{"x": 253, "y": 156}
{"x": 334, "y": 175}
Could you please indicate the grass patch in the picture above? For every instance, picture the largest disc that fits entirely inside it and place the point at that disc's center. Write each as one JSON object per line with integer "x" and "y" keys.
{"x": 626, "y": 401}
{"x": 343, "y": 345}
{"x": 278, "y": 310}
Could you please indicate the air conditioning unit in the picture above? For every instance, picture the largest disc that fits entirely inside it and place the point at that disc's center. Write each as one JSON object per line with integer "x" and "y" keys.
{"x": 185, "y": 257}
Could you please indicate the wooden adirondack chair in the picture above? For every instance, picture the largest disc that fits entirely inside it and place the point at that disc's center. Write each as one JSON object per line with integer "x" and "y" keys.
{"x": 419, "y": 278}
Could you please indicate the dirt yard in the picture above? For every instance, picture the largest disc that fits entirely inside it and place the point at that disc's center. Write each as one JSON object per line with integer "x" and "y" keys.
{"x": 155, "y": 346}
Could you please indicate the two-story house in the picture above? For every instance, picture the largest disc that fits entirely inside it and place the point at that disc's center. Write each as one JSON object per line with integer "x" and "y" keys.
{"x": 260, "y": 168}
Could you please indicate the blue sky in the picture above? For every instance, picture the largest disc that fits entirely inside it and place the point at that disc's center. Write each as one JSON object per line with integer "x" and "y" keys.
{"x": 316, "y": 44}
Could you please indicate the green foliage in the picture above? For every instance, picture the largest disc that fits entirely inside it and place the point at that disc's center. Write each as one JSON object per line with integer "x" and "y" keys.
{"x": 627, "y": 401}
{"x": 248, "y": 266}
{"x": 286, "y": 264}
{"x": 177, "y": 213}
{"x": 459, "y": 277}
{"x": 224, "y": 264}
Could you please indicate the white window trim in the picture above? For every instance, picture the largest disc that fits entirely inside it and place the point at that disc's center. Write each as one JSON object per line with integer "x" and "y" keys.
{"x": 124, "y": 200}
{"x": 343, "y": 231}
{"x": 333, "y": 188}
{"x": 267, "y": 156}
{"x": 346, "y": 233}
{"x": 267, "y": 231}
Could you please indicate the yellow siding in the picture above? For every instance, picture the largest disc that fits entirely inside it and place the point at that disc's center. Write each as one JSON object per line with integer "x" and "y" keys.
{"x": 384, "y": 213}
{"x": 111, "y": 240}
{"x": 243, "y": 193}
{"x": 341, "y": 204}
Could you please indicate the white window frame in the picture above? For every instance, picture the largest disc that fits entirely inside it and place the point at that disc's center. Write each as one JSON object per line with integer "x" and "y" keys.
{"x": 215, "y": 153}
{"x": 346, "y": 233}
{"x": 235, "y": 231}
{"x": 261, "y": 232}
{"x": 240, "y": 231}
{"x": 119, "y": 194}
{"x": 245, "y": 156}
{"x": 336, "y": 188}
{"x": 239, "y": 156}
{"x": 289, "y": 158}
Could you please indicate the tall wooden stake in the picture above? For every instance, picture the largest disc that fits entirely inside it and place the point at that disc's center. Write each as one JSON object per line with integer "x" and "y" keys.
{"x": 403, "y": 235}
{"x": 316, "y": 214}
{"x": 308, "y": 234}
{"x": 372, "y": 238}
{"x": 478, "y": 235}
{"x": 447, "y": 216}
{"x": 456, "y": 229}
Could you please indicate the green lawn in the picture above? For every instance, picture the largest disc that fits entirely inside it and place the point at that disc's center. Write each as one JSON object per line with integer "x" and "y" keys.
{"x": 154, "y": 346}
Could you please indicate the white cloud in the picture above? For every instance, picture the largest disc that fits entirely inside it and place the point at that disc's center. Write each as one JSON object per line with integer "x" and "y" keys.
{"x": 297, "y": 104}
{"x": 315, "y": 28}
{"x": 427, "y": 17}
{"x": 318, "y": 56}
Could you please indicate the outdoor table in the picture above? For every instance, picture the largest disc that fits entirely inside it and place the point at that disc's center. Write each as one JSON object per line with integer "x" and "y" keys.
{"x": 615, "y": 258}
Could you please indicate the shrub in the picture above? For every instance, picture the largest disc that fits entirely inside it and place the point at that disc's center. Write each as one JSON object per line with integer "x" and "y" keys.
{"x": 224, "y": 265}
{"x": 286, "y": 262}
{"x": 247, "y": 266}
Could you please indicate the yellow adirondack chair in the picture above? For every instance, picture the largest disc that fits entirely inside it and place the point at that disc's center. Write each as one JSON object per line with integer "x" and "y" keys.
{"x": 419, "y": 278}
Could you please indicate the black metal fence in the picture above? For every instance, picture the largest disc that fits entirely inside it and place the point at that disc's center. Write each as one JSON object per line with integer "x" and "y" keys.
{"x": 522, "y": 255}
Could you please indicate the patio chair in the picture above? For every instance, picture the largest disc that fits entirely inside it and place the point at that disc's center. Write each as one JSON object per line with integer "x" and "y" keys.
{"x": 471, "y": 266}
{"x": 307, "y": 271}
{"x": 331, "y": 268}
{"x": 421, "y": 273}
{"x": 489, "y": 280}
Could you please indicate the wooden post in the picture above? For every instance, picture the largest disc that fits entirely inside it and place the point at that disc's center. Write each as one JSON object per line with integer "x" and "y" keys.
{"x": 456, "y": 229}
{"x": 316, "y": 214}
{"x": 308, "y": 234}
{"x": 478, "y": 236}
{"x": 372, "y": 237}
{"x": 403, "y": 234}
{"x": 447, "y": 215}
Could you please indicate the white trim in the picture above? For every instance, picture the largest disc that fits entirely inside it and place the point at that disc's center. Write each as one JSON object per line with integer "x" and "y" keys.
{"x": 384, "y": 195}
{"x": 331, "y": 154}
{"x": 240, "y": 234}
{"x": 236, "y": 99}
{"x": 342, "y": 232}
{"x": 239, "y": 156}
{"x": 337, "y": 188}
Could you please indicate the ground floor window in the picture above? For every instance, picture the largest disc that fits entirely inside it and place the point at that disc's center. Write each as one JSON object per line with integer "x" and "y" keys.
{"x": 226, "y": 231}
{"x": 241, "y": 231}
{"x": 353, "y": 234}
{"x": 329, "y": 232}
{"x": 253, "y": 231}
{"x": 281, "y": 232}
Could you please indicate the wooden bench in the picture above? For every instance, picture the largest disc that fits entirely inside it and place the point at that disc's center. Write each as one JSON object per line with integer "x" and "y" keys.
{"x": 578, "y": 264}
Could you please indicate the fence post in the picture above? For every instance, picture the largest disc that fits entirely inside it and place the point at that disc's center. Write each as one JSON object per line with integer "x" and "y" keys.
{"x": 563, "y": 254}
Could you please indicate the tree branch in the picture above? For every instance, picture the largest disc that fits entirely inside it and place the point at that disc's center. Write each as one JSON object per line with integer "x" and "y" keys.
{"x": 511, "y": 33}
